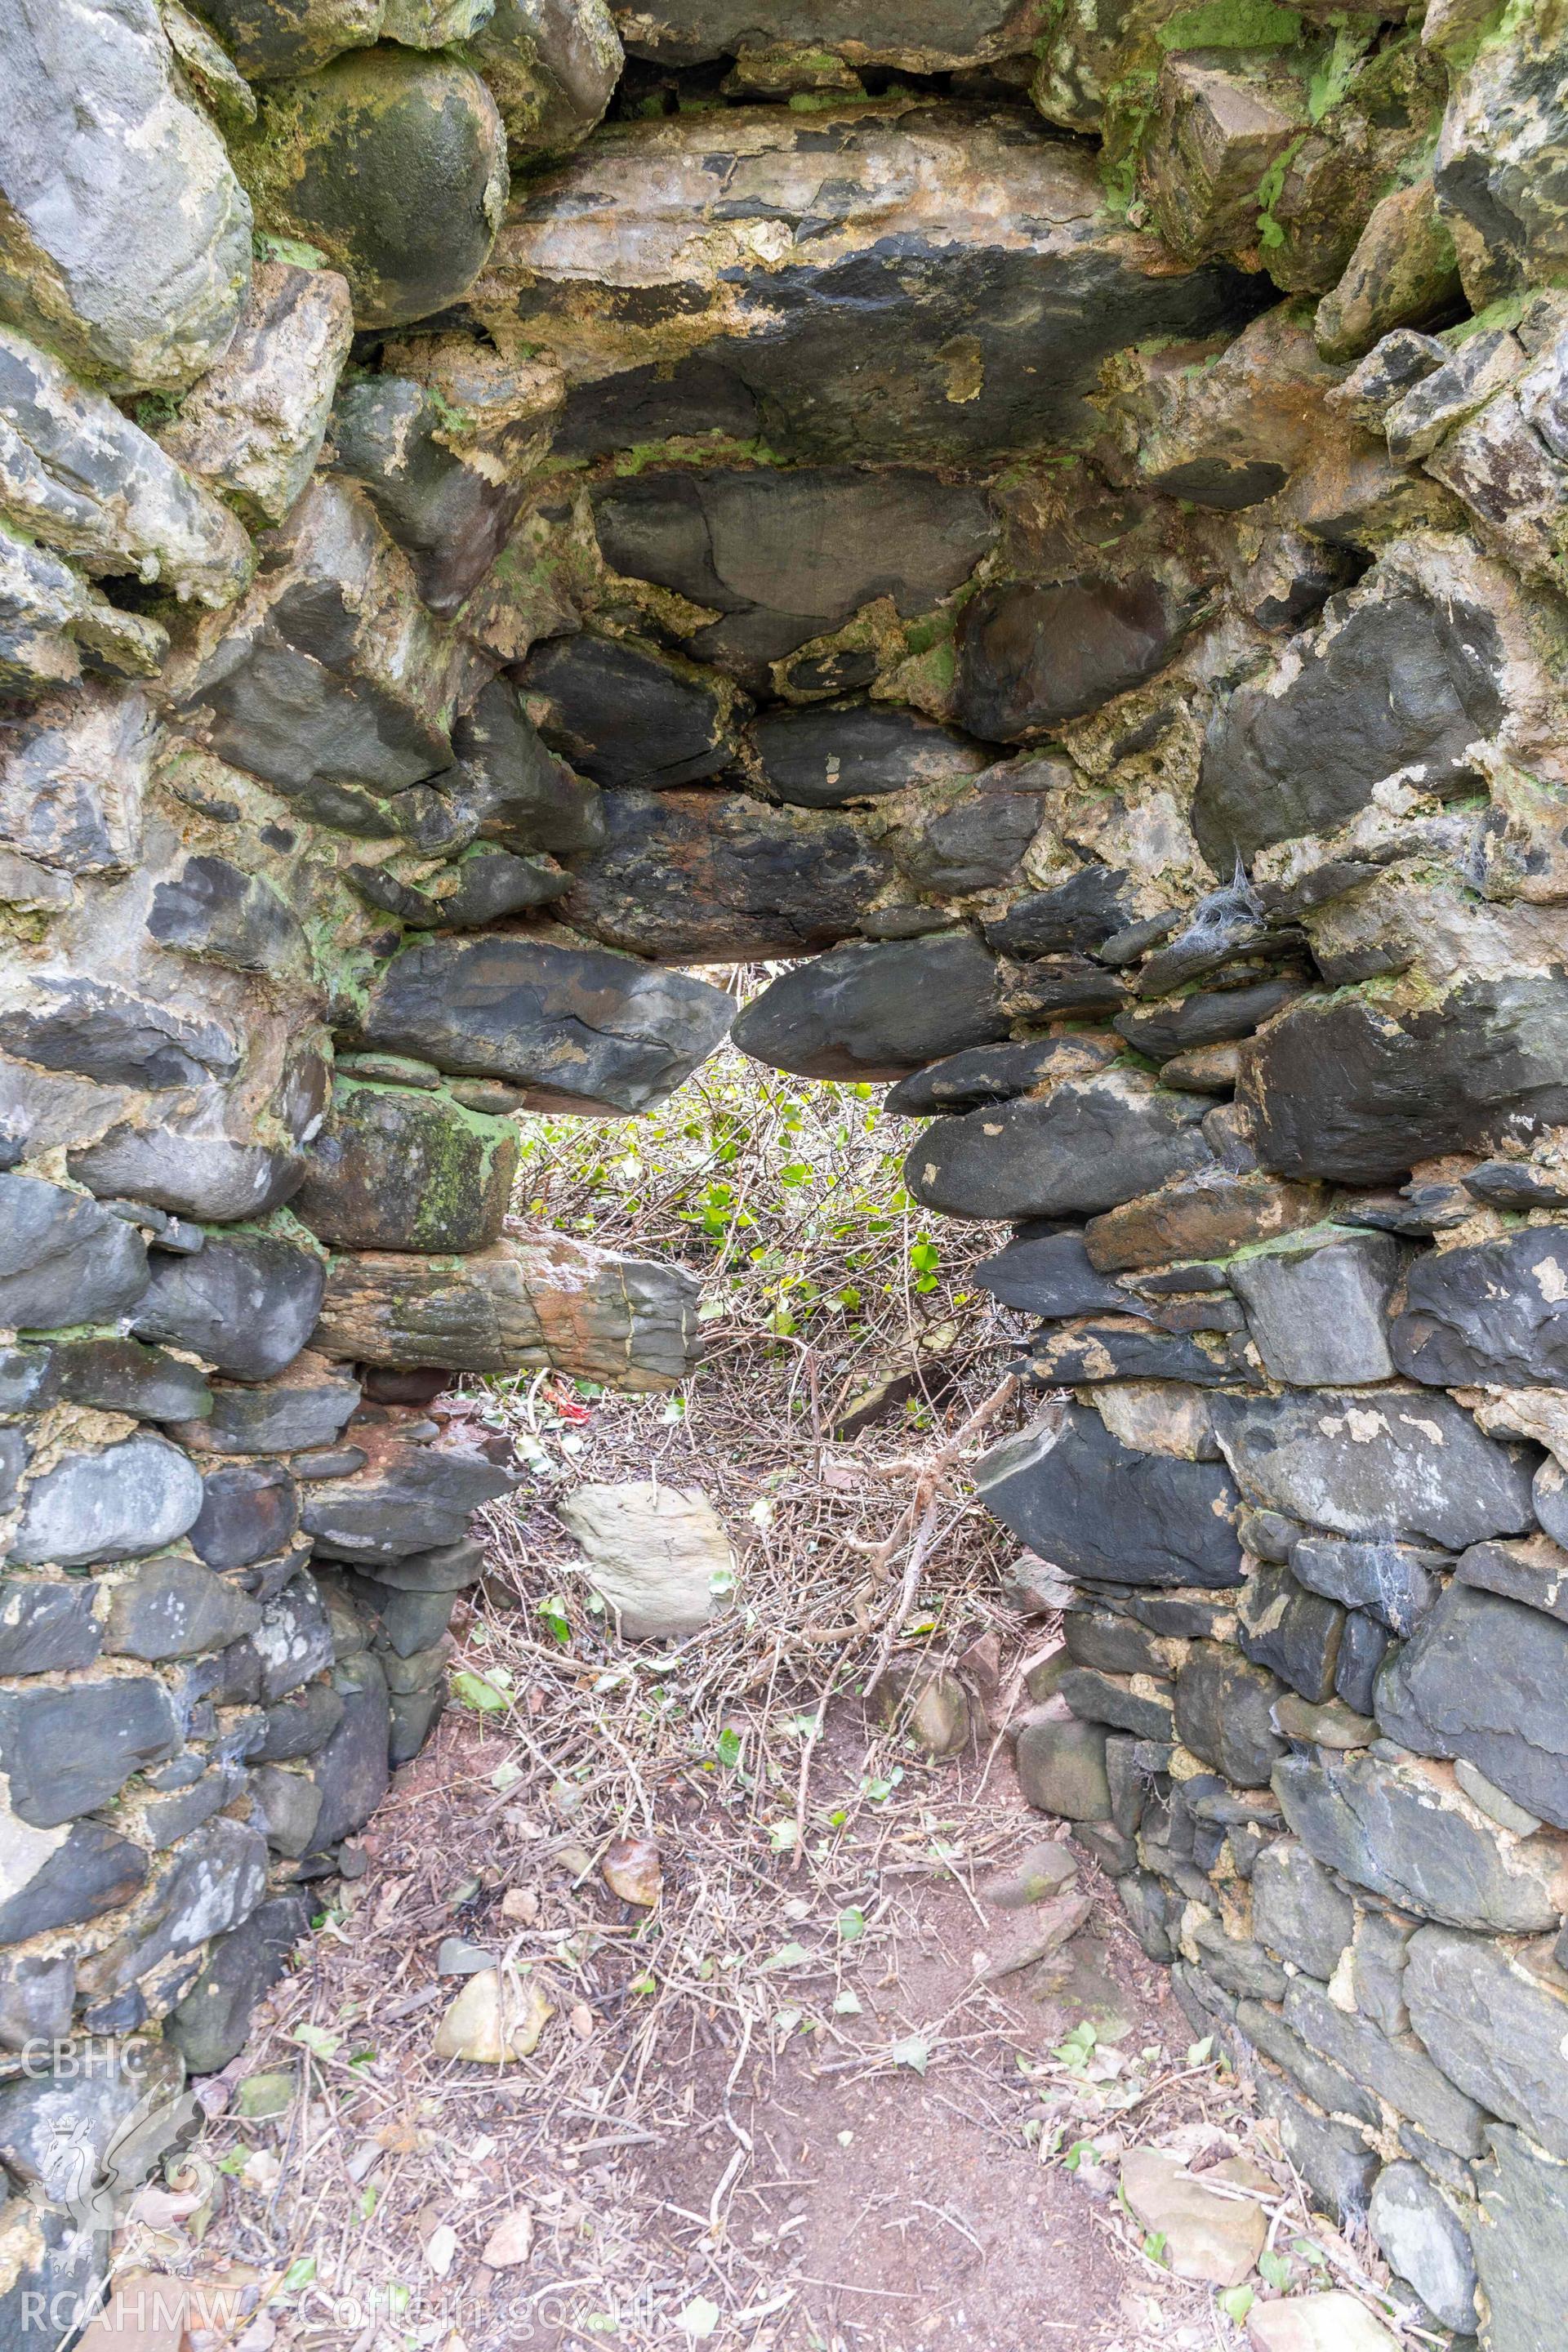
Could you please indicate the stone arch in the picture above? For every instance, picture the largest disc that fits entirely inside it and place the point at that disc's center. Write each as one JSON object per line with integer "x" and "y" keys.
{"x": 1051, "y": 523}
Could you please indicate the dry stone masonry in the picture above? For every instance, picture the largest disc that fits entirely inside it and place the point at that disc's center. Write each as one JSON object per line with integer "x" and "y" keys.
{"x": 1048, "y": 519}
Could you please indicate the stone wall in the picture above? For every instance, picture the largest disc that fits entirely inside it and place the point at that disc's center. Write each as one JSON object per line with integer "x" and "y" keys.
{"x": 1053, "y": 514}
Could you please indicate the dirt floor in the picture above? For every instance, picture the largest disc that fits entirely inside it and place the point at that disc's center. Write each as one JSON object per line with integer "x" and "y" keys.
{"x": 817, "y": 2089}
{"x": 869, "y": 2162}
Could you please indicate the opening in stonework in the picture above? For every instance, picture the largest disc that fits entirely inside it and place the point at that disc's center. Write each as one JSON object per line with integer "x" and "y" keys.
{"x": 784, "y": 1166}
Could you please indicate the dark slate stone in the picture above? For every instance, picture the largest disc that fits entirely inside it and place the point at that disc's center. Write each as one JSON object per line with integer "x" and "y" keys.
{"x": 1535, "y": 1570}
{"x": 1499, "y": 2030}
{"x": 64, "y": 1259}
{"x": 1317, "y": 1306}
{"x": 1074, "y": 1494}
{"x": 575, "y": 1026}
{"x": 288, "y": 1807}
{"x": 175, "y": 1608}
{"x": 1396, "y": 1582}
{"x": 1331, "y": 2157}
{"x": 709, "y": 875}
{"x": 1494, "y": 1313}
{"x": 1051, "y": 1277}
{"x": 841, "y": 751}
{"x": 248, "y": 1512}
{"x": 122, "y": 1376}
{"x": 36, "y": 1998}
{"x": 1308, "y": 2069}
{"x": 93, "y": 1872}
{"x": 414, "y": 1499}
{"x": 1299, "y": 1911}
{"x": 1096, "y": 1698}
{"x": 876, "y": 1010}
{"x": 1114, "y": 1643}
{"x": 1514, "y": 1184}
{"x": 1294, "y": 1633}
{"x": 213, "y": 910}
{"x": 210, "y": 2025}
{"x": 298, "y": 1724}
{"x": 28, "y": 1379}
{"x": 1055, "y": 986}
{"x": 1486, "y": 1679}
{"x": 1379, "y": 1824}
{"x": 47, "y": 1628}
{"x": 450, "y": 517}
{"x": 975, "y": 838}
{"x": 171, "y": 1820}
{"x": 214, "y": 1879}
{"x": 412, "y": 1717}
{"x": 990, "y": 1073}
{"x": 1399, "y": 2071}
{"x": 1075, "y": 918}
{"x": 1350, "y": 1089}
{"x": 1074, "y": 1355}
{"x": 247, "y": 1303}
{"x": 491, "y": 884}
{"x": 1521, "y": 2255}
{"x": 623, "y": 714}
{"x": 351, "y": 1770}
{"x": 1268, "y": 1535}
{"x": 191, "y": 1175}
{"x": 328, "y": 1461}
{"x": 129, "y": 1500}
{"x": 1222, "y": 1714}
{"x": 1031, "y": 657}
{"x": 306, "y": 1406}
{"x": 1377, "y": 1968}
{"x": 66, "y": 1752}
{"x": 1087, "y": 1145}
{"x": 786, "y": 554}
{"x": 1551, "y": 1494}
{"x": 1410, "y": 1466}
{"x": 1211, "y": 1016}
{"x": 450, "y": 1568}
{"x": 96, "y": 1031}
{"x": 393, "y": 1170}
{"x": 410, "y": 1622}
{"x": 524, "y": 797}
{"x": 294, "y": 1638}
{"x": 1362, "y": 1649}
{"x": 1405, "y": 679}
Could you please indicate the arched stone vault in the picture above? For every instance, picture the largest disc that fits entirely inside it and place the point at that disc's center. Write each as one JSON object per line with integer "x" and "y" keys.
{"x": 1051, "y": 517}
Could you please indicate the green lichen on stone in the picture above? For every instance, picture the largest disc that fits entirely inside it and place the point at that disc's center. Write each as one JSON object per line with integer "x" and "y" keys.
{"x": 389, "y": 165}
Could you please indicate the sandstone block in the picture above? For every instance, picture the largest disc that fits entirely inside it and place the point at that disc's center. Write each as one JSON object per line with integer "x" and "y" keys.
{"x": 253, "y": 426}
{"x": 657, "y": 1555}
{"x": 551, "y": 1300}
{"x": 981, "y": 228}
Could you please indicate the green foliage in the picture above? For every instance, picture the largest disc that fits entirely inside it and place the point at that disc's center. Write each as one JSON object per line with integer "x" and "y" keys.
{"x": 785, "y": 1194}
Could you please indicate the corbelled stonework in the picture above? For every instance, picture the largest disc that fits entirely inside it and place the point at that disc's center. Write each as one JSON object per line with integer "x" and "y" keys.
{"x": 1053, "y": 513}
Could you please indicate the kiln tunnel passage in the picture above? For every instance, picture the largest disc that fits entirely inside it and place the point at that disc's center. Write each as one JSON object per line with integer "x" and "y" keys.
{"x": 1047, "y": 519}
